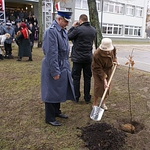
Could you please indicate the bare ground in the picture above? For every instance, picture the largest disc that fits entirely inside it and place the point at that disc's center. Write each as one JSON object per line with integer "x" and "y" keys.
{"x": 119, "y": 111}
{"x": 22, "y": 125}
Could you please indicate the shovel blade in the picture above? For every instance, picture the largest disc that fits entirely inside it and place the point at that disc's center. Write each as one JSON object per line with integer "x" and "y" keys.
{"x": 96, "y": 113}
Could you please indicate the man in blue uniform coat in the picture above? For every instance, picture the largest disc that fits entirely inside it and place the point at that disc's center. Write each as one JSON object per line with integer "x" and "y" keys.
{"x": 56, "y": 81}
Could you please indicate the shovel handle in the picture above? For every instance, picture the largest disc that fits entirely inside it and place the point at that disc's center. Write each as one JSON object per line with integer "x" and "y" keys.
{"x": 106, "y": 89}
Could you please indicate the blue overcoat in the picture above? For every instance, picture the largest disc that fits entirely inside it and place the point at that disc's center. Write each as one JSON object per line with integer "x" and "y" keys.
{"x": 55, "y": 62}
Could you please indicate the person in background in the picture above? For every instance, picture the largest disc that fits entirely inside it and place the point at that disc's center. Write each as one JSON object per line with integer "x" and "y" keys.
{"x": 8, "y": 42}
{"x": 23, "y": 41}
{"x": 102, "y": 64}
{"x": 56, "y": 81}
{"x": 17, "y": 27}
{"x": 21, "y": 14}
{"x": 17, "y": 20}
{"x": 30, "y": 19}
{"x": 36, "y": 35}
{"x": 25, "y": 14}
{"x": 32, "y": 29}
{"x": 1, "y": 44}
{"x": 148, "y": 32}
{"x": 26, "y": 22}
{"x": 82, "y": 35}
{"x": 35, "y": 20}
{"x": 2, "y": 40}
{"x": 12, "y": 18}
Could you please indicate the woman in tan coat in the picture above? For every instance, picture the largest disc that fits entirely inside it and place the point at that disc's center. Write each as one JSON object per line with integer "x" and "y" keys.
{"x": 102, "y": 65}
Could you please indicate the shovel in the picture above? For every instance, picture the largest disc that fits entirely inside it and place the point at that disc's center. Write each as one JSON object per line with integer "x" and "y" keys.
{"x": 97, "y": 111}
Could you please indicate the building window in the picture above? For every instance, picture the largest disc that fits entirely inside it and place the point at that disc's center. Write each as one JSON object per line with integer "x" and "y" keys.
{"x": 113, "y": 7}
{"x": 84, "y": 4}
{"x": 78, "y": 4}
{"x": 119, "y": 8}
{"x": 106, "y": 6}
{"x": 139, "y": 11}
{"x": 132, "y": 30}
{"x": 112, "y": 29}
{"x": 81, "y": 4}
{"x": 98, "y": 5}
{"x": 117, "y": 29}
{"x": 130, "y": 10}
{"x": 66, "y": 9}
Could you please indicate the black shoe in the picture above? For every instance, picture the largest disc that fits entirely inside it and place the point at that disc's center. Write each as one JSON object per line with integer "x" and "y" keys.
{"x": 6, "y": 56}
{"x": 18, "y": 59}
{"x": 88, "y": 102}
{"x": 30, "y": 60}
{"x": 11, "y": 57}
{"x": 77, "y": 100}
{"x": 1, "y": 57}
{"x": 62, "y": 116}
{"x": 54, "y": 123}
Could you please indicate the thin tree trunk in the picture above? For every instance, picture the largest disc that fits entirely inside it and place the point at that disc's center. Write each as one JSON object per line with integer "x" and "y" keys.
{"x": 94, "y": 19}
{"x": 40, "y": 24}
{"x": 54, "y": 9}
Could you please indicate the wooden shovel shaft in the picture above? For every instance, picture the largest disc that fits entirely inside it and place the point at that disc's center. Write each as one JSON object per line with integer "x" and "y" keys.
{"x": 106, "y": 89}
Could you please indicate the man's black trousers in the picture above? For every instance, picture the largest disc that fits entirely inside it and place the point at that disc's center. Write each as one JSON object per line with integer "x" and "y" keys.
{"x": 51, "y": 111}
{"x": 76, "y": 75}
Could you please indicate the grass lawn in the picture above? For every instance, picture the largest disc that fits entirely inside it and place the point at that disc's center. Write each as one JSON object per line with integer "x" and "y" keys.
{"x": 22, "y": 125}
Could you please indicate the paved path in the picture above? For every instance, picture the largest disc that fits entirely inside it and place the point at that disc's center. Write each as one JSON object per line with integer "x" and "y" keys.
{"x": 141, "y": 55}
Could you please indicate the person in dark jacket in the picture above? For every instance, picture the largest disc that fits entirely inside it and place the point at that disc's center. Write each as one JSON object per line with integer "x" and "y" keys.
{"x": 23, "y": 41}
{"x": 32, "y": 29}
{"x": 36, "y": 33}
{"x": 82, "y": 35}
{"x": 17, "y": 27}
{"x": 56, "y": 81}
{"x": 8, "y": 42}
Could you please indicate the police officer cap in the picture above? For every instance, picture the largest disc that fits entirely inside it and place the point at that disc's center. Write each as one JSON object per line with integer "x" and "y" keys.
{"x": 65, "y": 14}
{"x": 8, "y": 24}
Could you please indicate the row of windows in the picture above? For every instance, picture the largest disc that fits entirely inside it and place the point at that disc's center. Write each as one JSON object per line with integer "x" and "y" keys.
{"x": 113, "y": 7}
{"x": 114, "y": 29}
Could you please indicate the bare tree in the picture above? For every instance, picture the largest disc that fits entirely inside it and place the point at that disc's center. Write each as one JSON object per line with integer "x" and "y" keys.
{"x": 40, "y": 24}
{"x": 94, "y": 19}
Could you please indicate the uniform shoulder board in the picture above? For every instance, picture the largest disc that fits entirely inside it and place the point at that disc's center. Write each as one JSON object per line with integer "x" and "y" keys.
{"x": 52, "y": 26}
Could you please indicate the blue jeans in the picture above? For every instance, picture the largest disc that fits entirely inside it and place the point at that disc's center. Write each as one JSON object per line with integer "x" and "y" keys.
{"x": 76, "y": 75}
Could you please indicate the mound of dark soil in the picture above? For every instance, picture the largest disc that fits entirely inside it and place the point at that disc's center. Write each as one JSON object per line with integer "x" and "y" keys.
{"x": 102, "y": 136}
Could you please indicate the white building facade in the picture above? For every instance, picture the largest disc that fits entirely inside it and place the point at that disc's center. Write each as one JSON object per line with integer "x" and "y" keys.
{"x": 118, "y": 18}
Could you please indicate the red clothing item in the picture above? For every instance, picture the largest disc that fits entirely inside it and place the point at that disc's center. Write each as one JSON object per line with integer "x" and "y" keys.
{"x": 25, "y": 33}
